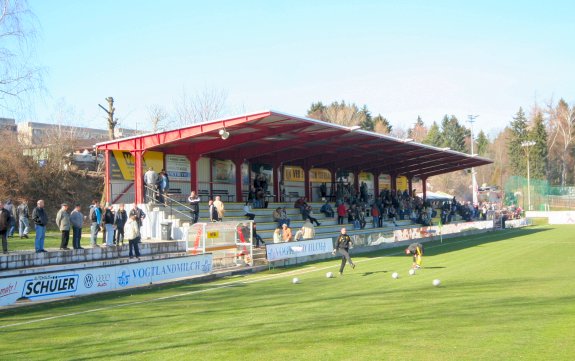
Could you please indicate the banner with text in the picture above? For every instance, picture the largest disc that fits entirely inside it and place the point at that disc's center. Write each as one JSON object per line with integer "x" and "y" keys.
{"x": 316, "y": 175}
{"x": 95, "y": 280}
{"x": 122, "y": 164}
{"x": 279, "y": 251}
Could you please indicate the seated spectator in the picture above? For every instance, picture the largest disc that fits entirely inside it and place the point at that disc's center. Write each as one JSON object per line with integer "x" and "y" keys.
{"x": 248, "y": 212}
{"x": 308, "y": 230}
{"x": 278, "y": 235}
{"x": 298, "y": 236}
{"x": 299, "y": 203}
{"x": 327, "y": 210}
{"x": 391, "y": 215}
{"x": 286, "y": 233}
{"x": 280, "y": 216}
{"x": 307, "y": 213}
{"x": 256, "y": 236}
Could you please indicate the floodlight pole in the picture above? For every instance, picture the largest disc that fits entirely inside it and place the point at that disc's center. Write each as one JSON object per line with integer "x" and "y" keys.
{"x": 526, "y": 145}
{"x": 471, "y": 119}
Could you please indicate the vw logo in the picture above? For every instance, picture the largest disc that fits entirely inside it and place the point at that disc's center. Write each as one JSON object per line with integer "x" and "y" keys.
{"x": 88, "y": 280}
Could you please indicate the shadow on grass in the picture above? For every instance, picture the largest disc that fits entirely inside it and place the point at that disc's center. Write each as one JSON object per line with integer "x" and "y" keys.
{"x": 458, "y": 243}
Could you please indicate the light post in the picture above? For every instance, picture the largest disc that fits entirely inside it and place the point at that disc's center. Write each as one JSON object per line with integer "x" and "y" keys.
{"x": 471, "y": 119}
{"x": 526, "y": 145}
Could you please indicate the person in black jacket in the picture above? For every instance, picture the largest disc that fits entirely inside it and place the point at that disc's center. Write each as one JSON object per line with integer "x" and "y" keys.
{"x": 40, "y": 219}
{"x": 5, "y": 217}
{"x": 120, "y": 219}
{"x": 342, "y": 246}
{"x": 194, "y": 200}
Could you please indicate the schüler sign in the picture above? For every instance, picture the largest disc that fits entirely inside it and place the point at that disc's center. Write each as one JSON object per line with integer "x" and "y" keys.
{"x": 95, "y": 280}
{"x": 286, "y": 250}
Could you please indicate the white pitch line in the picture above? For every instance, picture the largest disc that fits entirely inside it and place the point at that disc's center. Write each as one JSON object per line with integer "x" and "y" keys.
{"x": 220, "y": 286}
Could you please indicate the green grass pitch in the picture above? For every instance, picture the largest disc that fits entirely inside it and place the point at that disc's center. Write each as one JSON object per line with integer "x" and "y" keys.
{"x": 505, "y": 295}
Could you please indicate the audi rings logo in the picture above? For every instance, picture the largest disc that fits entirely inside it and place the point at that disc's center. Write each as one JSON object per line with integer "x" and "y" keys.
{"x": 89, "y": 280}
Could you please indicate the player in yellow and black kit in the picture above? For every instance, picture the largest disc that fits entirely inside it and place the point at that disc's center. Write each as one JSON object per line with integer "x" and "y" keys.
{"x": 342, "y": 245}
{"x": 416, "y": 249}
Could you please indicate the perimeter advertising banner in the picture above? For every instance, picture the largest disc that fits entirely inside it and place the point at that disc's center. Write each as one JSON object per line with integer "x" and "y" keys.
{"x": 279, "y": 251}
{"x": 178, "y": 167}
{"x": 122, "y": 164}
{"x": 95, "y": 280}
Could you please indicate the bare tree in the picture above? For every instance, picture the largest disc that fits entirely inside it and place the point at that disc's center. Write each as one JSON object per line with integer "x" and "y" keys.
{"x": 207, "y": 104}
{"x": 158, "y": 118}
{"x": 18, "y": 75}
{"x": 344, "y": 114}
{"x": 561, "y": 135}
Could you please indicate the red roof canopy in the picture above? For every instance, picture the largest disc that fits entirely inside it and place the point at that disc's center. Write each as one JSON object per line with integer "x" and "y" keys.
{"x": 274, "y": 137}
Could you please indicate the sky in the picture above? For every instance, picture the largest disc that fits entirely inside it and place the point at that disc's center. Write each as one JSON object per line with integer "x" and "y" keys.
{"x": 403, "y": 59}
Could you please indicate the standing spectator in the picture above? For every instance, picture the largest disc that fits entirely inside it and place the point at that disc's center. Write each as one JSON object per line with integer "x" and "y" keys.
{"x": 341, "y": 213}
{"x": 248, "y": 212}
{"x": 40, "y": 220}
{"x": 95, "y": 220}
{"x": 214, "y": 215}
{"x": 132, "y": 233}
{"x": 120, "y": 219}
{"x": 163, "y": 185}
{"x": 108, "y": 224}
{"x": 286, "y": 233}
{"x": 220, "y": 207}
{"x": 140, "y": 215}
{"x": 375, "y": 215}
{"x": 151, "y": 181}
{"x": 77, "y": 221}
{"x": 342, "y": 246}
{"x": 4, "y": 226}
{"x": 63, "y": 222}
{"x": 23, "y": 215}
{"x": 10, "y": 208}
{"x": 194, "y": 200}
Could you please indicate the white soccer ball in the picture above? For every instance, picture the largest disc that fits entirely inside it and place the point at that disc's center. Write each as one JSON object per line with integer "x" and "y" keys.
{"x": 395, "y": 275}
{"x": 411, "y": 272}
{"x": 295, "y": 280}
{"x": 329, "y": 275}
{"x": 436, "y": 282}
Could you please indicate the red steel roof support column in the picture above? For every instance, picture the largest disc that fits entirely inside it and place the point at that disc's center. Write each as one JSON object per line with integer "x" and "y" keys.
{"x": 393, "y": 181}
{"x": 138, "y": 177}
{"x": 193, "y": 158}
{"x": 375, "y": 185}
{"x": 238, "y": 163}
{"x": 307, "y": 192}
{"x": 409, "y": 185}
{"x": 276, "y": 179}
{"x": 424, "y": 188}
{"x": 107, "y": 185}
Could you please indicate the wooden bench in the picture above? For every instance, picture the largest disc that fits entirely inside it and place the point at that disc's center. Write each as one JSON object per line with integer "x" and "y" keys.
{"x": 222, "y": 193}
{"x": 294, "y": 195}
{"x": 176, "y": 194}
{"x": 204, "y": 193}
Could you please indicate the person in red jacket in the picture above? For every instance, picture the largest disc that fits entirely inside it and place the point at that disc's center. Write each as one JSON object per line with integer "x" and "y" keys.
{"x": 341, "y": 213}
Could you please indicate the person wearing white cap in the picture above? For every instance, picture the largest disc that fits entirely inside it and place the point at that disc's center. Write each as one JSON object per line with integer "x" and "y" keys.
{"x": 63, "y": 222}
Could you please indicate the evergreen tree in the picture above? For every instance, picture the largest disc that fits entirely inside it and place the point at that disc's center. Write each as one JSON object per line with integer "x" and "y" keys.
{"x": 482, "y": 144}
{"x": 381, "y": 125}
{"x": 453, "y": 134}
{"x": 367, "y": 122}
{"x": 434, "y": 136}
{"x": 538, "y": 152}
{"x": 517, "y": 160}
{"x": 317, "y": 111}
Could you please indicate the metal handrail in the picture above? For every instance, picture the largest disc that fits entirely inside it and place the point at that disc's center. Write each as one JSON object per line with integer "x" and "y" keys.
{"x": 171, "y": 202}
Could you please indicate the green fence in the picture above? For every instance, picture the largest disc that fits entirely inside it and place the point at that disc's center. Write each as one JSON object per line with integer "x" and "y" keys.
{"x": 540, "y": 194}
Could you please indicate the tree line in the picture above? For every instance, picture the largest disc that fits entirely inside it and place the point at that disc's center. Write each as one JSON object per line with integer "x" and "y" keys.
{"x": 546, "y": 135}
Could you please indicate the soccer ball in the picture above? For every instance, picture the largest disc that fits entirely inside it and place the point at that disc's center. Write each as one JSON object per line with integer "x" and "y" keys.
{"x": 395, "y": 275}
{"x": 329, "y": 275}
{"x": 295, "y": 280}
{"x": 411, "y": 272}
{"x": 436, "y": 282}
